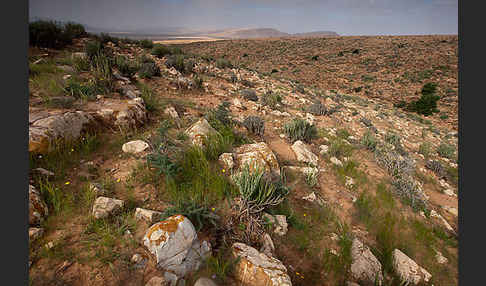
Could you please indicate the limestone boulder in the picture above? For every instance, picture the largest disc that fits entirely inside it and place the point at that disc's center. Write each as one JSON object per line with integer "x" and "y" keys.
{"x": 258, "y": 269}
{"x": 199, "y": 130}
{"x": 365, "y": 266}
{"x": 226, "y": 160}
{"x": 37, "y": 207}
{"x": 45, "y": 128}
{"x": 257, "y": 155}
{"x": 304, "y": 153}
{"x": 175, "y": 245}
{"x": 103, "y": 207}
{"x": 149, "y": 216}
{"x": 407, "y": 269}
{"x": 203, "y": 281}
{"x": 135, "y": 147}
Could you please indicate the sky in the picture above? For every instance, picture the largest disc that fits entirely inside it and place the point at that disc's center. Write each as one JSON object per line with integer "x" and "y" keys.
{"x": 345, "y": 17}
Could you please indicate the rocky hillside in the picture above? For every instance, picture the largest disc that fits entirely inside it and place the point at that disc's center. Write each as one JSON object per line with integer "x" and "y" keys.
{"x": 159, "y": 166}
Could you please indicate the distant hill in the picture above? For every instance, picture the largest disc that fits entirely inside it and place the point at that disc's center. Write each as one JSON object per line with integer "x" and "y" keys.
{"x": 317, "y": 34}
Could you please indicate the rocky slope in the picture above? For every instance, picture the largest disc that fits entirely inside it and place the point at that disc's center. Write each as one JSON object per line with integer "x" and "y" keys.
{"x": 372, "y": 195}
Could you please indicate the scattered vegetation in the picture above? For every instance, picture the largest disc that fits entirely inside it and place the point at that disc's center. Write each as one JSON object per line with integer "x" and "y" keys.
{"x": 51, "y": 34}
{"x": 255, "y": 125}
{"x": 300, "y": 129}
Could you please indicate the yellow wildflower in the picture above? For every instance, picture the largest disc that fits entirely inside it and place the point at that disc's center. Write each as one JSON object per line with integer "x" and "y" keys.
{"x": 67, "y": 183}
{"x": 213, "y": 209}
{"x": 223, "y": 170}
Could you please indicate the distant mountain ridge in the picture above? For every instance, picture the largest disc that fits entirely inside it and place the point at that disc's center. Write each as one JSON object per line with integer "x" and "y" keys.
{"x": 167, "y": 32}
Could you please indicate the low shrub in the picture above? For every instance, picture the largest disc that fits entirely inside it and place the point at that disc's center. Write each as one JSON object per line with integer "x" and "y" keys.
{"x": 160, "y": 51}
{"x": 175, "y": 61}
{"x": 149, "y": 70}
{"x": 369, "y": 140}
{"x": 425, "y": 149}
{"x": 436, "y": 167}
{"x": 146, "y": 44}
{"x": 446, "y": 150}
{"x": 317, "y": 108}
{"x": 93, "y": 48}
{"x": 223, "y": 63}
{"x": 427, "y": 103}
{"x": 300, "y": 129}
{"x": 257, "y": 191}
{"x": 249, "y": 94}
{"x": 125, "y": 66}
{"x": 271, "y": 99}
{"x": 255, "y": 125}
{"x": 340, "y": 149}
{"x": 51, "y": 34}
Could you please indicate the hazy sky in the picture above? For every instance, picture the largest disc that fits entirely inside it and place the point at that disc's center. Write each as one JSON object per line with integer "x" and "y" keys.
{"x": 346, "y": 17}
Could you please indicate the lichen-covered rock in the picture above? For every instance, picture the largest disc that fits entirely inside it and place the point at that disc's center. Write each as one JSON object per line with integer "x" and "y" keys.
{"x": 336, "y": 161}
{"x": 149, "y": 216}
{"x": 257, "y": 155}
{"x": 203, "y": 281}
{"x": 258, "y": 269}
{"x": 35, "y": 233}
{"x": 199, "y": 130}
{"x": 175, "y": 245}
{"x": 226, "y": 160}
{"x": 157, "y": 281}
{"x": 407, "y": 269}
{"x": 135, "y": 147}
{"x": 364, "y": 267}
{"x": 104, "y": 206}
{"x": 37, "y": 207}
{"x": 130, "y": 91}
{"x": 267, "y": 246}
{"x": 304, "y": 154}
{"x": 46, "y": 128}
{"x": 172, "y": 112}
{"x": 133, "y": 114}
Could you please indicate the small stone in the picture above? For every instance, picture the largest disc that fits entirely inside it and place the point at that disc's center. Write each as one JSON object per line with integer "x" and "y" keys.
{"x": 104, "y": 206}
{"x": 135, "y": 147}
{"x": 203, "y": 281}
{"x": 35, "y": 233}
{"x": 349, "y": 182}
{"x": 157, "y": 281}
{"x": 440, "y": 258}
{"x": 282, "y": 136}
{"x": 407, "y": 269}
{"x": 268, "y": 247}
{"x": 171, "y": 111}
{"x": 323, "y": 149}
{"x": 334, "y": 237}
{"x": 304, "y": 154}
{"x": 226, "y": 159}
{"x": 136, "y": 258}
{"x": 450, "y": 193}
{"x": 336, "y": 161}
{"x": 149, "y": 216}
{"x": 49, "y": 245}
{"x": 44, "y": 172}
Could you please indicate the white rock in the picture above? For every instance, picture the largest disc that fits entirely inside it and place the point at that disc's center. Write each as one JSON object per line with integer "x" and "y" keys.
{"x": 44, "y": 172}
{"x": 175, "y": 245}
{"x": 304, "y": 154}
{"x": 35, "y": 233}
{"x": 257, "y": 155}
{"x": 440, "y": 258}
{"x": 237, "y": 103}
{"x": 349, "y": 182}
{"x": 135, "y": 147}
{"x": 136, "y": 258}
{"x": 267, "y": 246}
{"x": 149, "y": 216}
{"x": 226, "y": 159}
{"x": 199, "y": 130}
{"x": 172, "y": 112}
{"x": 407, "y": 269}
{"x": 364, "y": 266}
{"x": 258, "y": 269}
{"x": 336, "y": 161}
{"x": 157, "y": 281}
{"x": 282, "y": 136}
{"x": 450, "y": 193}
{"x": 433, "y": 213}
{"x": 203, "y": 281}
{"x": 104, "y": 206}
{"x": 452, "y": 210}
{"x": 38, "y": 210}
{"x": 323, "y": 149}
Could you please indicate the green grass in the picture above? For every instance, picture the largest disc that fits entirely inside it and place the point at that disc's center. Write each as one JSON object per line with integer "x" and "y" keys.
{"x": 425, "y": 148}
{"x": 446, "y": 150}
{"x": 351, "y": 169}
{"x": 152, "y": 101}
{"x": 65, "y": 154}
{"x": 340, "y": 149}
